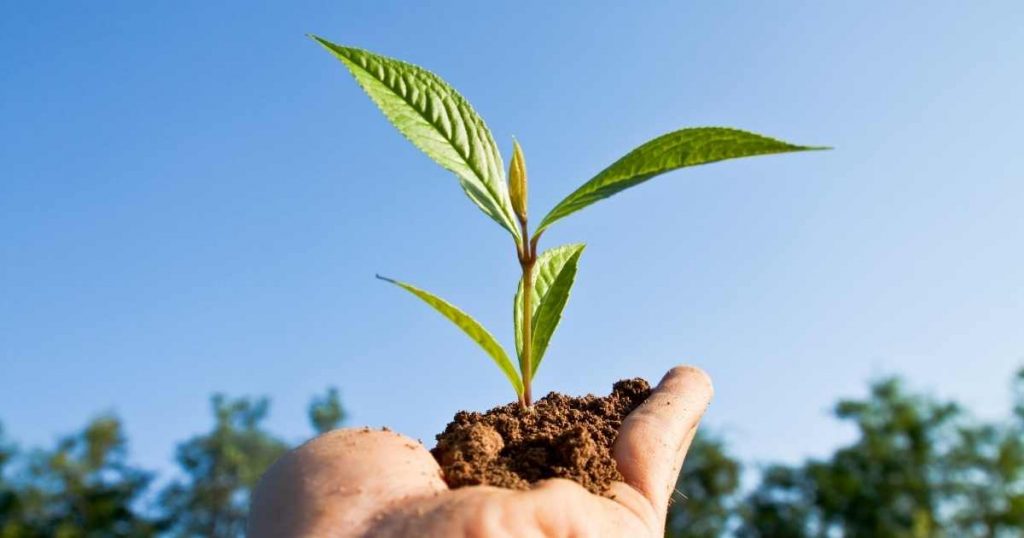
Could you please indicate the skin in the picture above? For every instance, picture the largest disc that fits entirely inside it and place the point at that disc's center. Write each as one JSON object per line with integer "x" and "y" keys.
{"x": 359, "y": 483}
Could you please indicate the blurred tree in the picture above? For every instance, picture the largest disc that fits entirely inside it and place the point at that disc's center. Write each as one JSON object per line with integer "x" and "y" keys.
{"x": 1018, "y": 397}
{"x": 782, "y": 506}
{"x": 221, "y": 468}
{"x": 889, "y": 482}
{"x": 84, "y": 488}
{"x": 325, "y": 412}
{"x": 705, "y": 491}
{"x": 9, "y": 509}
{"x": 987, "y": 476}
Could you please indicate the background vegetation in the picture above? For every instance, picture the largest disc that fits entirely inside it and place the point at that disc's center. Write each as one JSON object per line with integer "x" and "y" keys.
{"x": 917, "y": 467}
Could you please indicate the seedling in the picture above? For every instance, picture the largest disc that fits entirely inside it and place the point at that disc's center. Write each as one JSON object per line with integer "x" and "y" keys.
{"x": 441, "y": 123}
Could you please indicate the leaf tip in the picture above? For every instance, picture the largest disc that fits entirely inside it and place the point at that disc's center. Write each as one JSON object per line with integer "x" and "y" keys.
{"x": 385, "y": 279}
{"x": 328, "y": 45}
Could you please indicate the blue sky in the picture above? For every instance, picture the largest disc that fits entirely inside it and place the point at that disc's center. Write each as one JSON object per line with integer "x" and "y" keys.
{"x": 194, "y": 198}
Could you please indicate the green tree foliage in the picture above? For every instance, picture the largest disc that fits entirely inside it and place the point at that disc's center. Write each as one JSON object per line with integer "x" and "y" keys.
{"x": 9, "y": 501}
{"x": 83, "y": 488}
{"x": 325, "y": 412}
{"x": 987, "y": 476}
{"x": 919, "y": 467}
{"x": 705, "y": 491}
{"x": 890, "y": 482}
{"x": 896, "y": 463}
{"x": 220, "y": 469}
{"x": 782, "y": 506}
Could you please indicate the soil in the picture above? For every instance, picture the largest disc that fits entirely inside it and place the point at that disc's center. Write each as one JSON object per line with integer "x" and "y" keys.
{"x": 559, "y": 437}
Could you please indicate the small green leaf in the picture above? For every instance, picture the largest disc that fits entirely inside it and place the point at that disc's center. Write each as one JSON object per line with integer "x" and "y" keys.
{"x": 471, "y": 327}
{"x": 517, "y": 188}
{"x": 686, "y": 147}
{"x": 554, "y": 273}
{"x": 439, "y": 121}
{"x": 549, "y": 312}
{"x": 548, "y": 265}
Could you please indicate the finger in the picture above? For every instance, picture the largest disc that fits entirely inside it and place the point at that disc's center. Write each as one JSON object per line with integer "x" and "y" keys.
{"x": 654, "y": 438}
{"x": 339, "y": 481}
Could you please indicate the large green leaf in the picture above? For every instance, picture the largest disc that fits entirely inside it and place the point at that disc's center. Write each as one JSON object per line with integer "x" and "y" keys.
{"x": 439, "y": 121}
{"x": 686, "y": 147}
{"x": 471, "y": 327}
{"x": 554, "y": 273}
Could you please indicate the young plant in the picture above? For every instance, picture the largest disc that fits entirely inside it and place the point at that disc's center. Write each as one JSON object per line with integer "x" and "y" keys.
{"x": 441, "y": 123}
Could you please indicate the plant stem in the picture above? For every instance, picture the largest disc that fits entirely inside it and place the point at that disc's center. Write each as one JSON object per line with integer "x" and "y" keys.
{"x": 525, "y": 364}
{"x": 527, "y": 259}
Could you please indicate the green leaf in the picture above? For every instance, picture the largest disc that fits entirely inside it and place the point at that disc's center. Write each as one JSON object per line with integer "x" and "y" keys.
{"x": 554, "y": 273}
{"x": 548, "y": 265}
{"x": 549, "y": 312}
{"x": 686, "y": 147}
{"x": 439, "y": 121}
{"x": 471, "y": 327}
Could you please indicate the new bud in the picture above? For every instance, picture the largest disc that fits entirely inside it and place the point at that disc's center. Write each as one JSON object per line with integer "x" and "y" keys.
{"x": 517, "y": 181}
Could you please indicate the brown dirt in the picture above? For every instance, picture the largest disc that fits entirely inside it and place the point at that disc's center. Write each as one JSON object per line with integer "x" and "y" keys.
{"x": 559, "y": 437}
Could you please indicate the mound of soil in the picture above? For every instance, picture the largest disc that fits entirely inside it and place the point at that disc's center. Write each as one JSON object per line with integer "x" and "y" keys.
{"x": 559, "y": 437}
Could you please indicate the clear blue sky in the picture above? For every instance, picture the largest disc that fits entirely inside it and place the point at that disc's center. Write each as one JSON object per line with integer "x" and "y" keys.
{"x": 194, "y": 198}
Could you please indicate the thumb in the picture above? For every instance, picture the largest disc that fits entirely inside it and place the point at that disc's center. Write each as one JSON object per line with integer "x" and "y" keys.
{"x": 654, "y": 438}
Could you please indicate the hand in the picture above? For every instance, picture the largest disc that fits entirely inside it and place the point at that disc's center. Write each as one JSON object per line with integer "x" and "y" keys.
{"x": 356, "y": 483}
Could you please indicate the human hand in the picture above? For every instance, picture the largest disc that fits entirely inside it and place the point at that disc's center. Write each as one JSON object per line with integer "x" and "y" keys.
{"x": 358, "y": 483}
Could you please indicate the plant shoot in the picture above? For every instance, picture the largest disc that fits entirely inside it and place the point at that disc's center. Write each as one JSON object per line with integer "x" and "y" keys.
{"x": 441, "y": 123}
